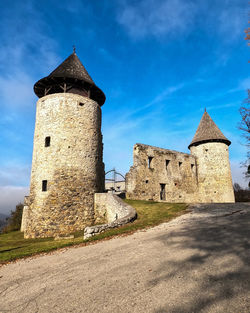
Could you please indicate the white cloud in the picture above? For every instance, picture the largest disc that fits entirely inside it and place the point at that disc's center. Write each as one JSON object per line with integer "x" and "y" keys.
{"x": 27, "y": 50}
{"x": 14, "y": 174}
{"x": 10, "y": 196}
{"x": 157, "y": 17}
{"x": 232, "y": 21}
{"x": 16, "y": 90}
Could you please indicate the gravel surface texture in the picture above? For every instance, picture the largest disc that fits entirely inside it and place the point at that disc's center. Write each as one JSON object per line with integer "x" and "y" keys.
{"x": 199, "y": 262}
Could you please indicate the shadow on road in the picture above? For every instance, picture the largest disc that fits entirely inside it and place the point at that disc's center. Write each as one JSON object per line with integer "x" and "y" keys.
{"x": 214, "y": 268}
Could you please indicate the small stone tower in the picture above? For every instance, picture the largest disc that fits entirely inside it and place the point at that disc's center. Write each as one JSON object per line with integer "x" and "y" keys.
{"x": 67, "y": 165}
{"x": 210, "y": 147}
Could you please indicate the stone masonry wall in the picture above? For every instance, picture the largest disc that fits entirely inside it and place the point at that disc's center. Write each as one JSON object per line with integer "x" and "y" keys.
{"x": 111, "y": 208}
{"x": 213, "y": 172}
{"x": 72, "y": 165}
{"x": 173, "y": 171}
{"x": 25, "y": 214}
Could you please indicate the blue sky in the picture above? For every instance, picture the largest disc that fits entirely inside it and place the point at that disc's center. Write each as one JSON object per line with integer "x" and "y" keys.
{"x": 159, "y": 62}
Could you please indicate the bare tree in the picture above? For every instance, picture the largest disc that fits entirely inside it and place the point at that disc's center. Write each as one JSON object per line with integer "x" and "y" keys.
{"x": 244, "y": 125}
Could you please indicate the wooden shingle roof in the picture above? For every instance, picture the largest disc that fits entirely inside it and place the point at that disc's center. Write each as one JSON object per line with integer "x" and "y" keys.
{"x": 208, "y": 131}
{"x": 72, "y": 68}
{"x": 72, "y": 73}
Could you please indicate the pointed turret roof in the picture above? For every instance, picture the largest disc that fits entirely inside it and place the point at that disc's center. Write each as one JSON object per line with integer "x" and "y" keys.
{"x": 208, "y": 131}
{"x": 72, "y": 68}
{"x": 72, "y": 73}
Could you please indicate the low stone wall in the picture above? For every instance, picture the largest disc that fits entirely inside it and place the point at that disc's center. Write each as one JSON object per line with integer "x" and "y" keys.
{"x": 25, "y": 214}
{"x": 110, "y": 207}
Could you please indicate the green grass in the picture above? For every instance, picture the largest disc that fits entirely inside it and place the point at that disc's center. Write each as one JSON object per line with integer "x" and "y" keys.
{"x": 14, "y": 246}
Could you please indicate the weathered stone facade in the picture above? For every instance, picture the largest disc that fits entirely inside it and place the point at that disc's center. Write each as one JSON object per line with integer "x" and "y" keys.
{"x": 213, "y": 172}
{"x": 202, "y": 176}
{"x": 161, "y": 175}
{"x": 71, "y": 165}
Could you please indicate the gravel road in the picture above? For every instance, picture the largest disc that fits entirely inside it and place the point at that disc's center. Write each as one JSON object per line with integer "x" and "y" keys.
{"x": 199, "y": 262}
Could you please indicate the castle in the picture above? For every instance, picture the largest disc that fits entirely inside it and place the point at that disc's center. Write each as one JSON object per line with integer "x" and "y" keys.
{"x": 166, "y": 175}
{"x": 68, "y": 170}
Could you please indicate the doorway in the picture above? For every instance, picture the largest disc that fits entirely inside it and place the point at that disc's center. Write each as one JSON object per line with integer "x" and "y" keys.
{"x": 163, "y": 192}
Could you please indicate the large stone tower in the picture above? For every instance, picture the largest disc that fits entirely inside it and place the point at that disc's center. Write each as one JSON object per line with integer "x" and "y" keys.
{"x": 67, "y": 165}
{"x": 210, "y": 147}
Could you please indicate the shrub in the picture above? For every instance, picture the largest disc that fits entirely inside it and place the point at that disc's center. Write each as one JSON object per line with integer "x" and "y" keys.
{"x": 15, "y": 219}
{"x": 241, "y": 195}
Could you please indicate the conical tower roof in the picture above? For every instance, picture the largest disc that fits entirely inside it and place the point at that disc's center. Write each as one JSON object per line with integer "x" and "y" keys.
{"x": 72, "y": 68}
{"x": 208, "y": 131}
{"x": 69, "y": 76}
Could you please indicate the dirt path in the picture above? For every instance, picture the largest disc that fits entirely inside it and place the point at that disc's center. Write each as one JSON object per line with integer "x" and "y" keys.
{"x": 199, "y": 262}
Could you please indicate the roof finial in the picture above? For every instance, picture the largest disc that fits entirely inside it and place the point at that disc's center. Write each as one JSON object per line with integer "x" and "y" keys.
{"x": 74, "y": 49}
{"x": 205, "y": 109}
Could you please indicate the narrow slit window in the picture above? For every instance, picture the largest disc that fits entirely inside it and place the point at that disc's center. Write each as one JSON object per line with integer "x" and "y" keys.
{"x": 81, "y": 104}
{"x": 167, "y": 164}
{"x": 47, "y": 141}
{"x": 192, "y": 167}
{"x": 180, "y": 164}
{"x": 44, "y": 185}
{"x": 150, "y": 161}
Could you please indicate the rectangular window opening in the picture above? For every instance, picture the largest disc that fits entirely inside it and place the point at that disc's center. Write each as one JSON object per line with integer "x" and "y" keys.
{"x": 167, "y": 164}
{"x": 47, "y": 141}
{"x": 163, "y": 192}
{"x": 180, "y": 164}
{"x": 192, "y": 167}
{"x": 149, "y": 161}
{"x": 44, "y": 185}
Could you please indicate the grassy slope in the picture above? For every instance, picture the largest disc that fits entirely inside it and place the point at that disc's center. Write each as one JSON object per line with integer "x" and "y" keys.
{"x": 14, "y": 246}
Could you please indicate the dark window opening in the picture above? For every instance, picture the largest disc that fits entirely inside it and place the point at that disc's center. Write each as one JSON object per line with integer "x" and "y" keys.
{"x": 47, "y": 141}
{"x": 175, "y": 184}
{"x": 192, "y": 167}
{"x": 149, "y": 161}
{"x": 180, "y": 164}
{"x": 167, "y": 164}
{"x": 163, "y": 192}
{"x": 44, "y": 185}
{"x": 81, "y": 104}
{"x": 146, "y": 181}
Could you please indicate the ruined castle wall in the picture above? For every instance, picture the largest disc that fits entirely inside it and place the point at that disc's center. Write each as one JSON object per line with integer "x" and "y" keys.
{"x": 214, "y": 173}
{"x": 71, "y": 164}
{"x": 170, "y": 176}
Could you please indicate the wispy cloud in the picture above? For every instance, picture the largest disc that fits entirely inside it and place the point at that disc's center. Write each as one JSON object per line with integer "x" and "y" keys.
{"x": 27, "y": 50}
{"x": 243, "y": 84}
{"x": 157, "y": 17}
{"x": 232, "y": 21}
{"x": 222, "y": 106}
{"x": 130, "y": 121}
{"x": 168, "y": 18}
{"x": 16, "y": 89}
